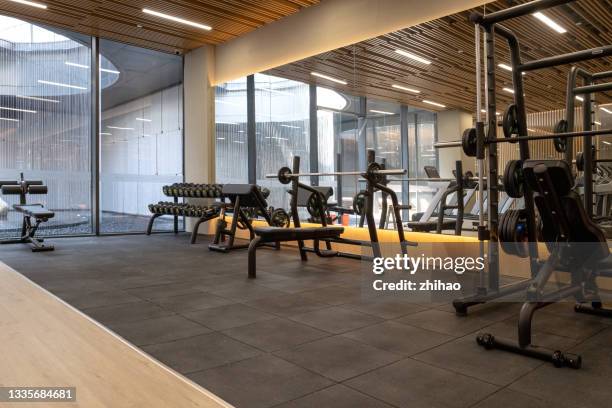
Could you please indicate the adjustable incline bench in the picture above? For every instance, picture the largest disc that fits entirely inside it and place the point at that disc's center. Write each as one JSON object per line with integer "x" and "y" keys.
{"x": 37, "y": 212}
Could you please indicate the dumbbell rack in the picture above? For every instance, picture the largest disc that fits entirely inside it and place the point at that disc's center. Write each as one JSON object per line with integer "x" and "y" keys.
{"x": 176, "y": 209}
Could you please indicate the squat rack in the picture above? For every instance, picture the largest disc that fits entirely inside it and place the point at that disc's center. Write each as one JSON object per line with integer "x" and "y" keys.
{"x": 486, "y": 144}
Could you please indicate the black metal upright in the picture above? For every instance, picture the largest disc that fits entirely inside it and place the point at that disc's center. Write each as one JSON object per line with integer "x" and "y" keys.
{"x": 251, "y": 131}
{"x": 314, "y": 136}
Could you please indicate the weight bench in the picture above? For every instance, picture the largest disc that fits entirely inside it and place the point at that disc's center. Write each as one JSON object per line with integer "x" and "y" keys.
{"x": 265, "y": 235}
{"x": 36, "y": 212}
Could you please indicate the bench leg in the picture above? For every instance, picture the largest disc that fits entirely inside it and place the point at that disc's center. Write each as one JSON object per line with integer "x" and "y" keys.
{"x": 252, "y": 257}
{"x": 196, "y": 227}
{"x": 150, "y": 225}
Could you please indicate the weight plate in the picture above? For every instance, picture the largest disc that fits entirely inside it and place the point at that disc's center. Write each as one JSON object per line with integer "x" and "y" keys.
{"x": 315, "y": 205}
{"x": 359, "y": 202}
{"x": 373, "y": 175}
{"x": 469, "y": 142}
{"x": 284, "y": 175}
{"x": 560, "y": 142}
{"x": 510, "y": 123}
{"x": 513, "y": 178}
{"x": 280, "y": 218}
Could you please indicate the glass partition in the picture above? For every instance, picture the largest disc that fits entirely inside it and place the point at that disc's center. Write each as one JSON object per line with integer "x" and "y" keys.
{"x": 141, "y": 132}
{"x": 231, "y": 132}
{"x": 45, "y": 123}
{"x": 282, "y": 118}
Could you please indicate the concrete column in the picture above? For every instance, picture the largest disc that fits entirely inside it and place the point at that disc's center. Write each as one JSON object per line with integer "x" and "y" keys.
{"x": 199, "y": 108}
{"x": 451, "y": 125}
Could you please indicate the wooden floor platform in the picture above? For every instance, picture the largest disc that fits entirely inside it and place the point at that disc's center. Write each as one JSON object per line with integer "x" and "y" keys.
{"x": 47, "y": 343}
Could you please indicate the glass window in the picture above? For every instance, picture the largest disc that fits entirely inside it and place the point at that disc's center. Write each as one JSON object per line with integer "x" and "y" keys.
{"x": 141, "y": 133}
{"x": 45, "y": 123}
{"x": 282, "y": 108}
{"x": 384, "y": 136}
{"x": 231, "y": 132}
{"x": 421, "y": 153}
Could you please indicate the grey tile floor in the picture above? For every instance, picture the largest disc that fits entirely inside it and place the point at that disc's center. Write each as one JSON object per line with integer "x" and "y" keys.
{"x": 301, "y": 336}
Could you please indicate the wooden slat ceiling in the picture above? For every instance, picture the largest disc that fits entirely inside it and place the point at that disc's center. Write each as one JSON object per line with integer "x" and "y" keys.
{"x": 371, "y": 67}
{"x": 123, "y": 20}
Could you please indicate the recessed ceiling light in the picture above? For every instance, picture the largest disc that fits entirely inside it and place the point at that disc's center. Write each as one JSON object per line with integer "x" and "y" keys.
{"x": 580, "y": 98}
{"x": 549, "y": 22}
{"x": 597, "y": 123}
{"x": 404, "y": 88}
{"x": 381, "y": 112}
{"x": 37, "y": 99}
{"x": 40, "y": 81}
{"x": 30, "y": 3}
{"x": 434, "y": 103}
{"x": 143, "y": 120}
{"x": 413, "y": 57}
{"x": 508, "y": 90}
{"x": 605, "y": 110}
{"x": 74, "y": 64}
{"x": 290, "y": 126}
{"x": 18, "y": 110}
{"x": 336, "y": 80}
{"x": 105, "y": 134}
{"x": 119, "y": 128}
{"x": 177, "y": 19}
{"x": 110, "y": 71}
{"x": 484, "y": 111}
{"x": 10, "y": 120}
{"x": 238, "y": 141}
{"x": 220, "y": 138}
{"x": 507, "y": 67}
{"x": 606, "y": 142}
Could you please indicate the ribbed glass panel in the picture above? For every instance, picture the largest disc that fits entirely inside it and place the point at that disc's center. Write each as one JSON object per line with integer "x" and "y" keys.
{"x": 45, "y": 123}
{"x": 231, "y": 132}
{"x": 421, "y": 153}
{"x": 141, "y": 134}
{"x": 282, "y": 123}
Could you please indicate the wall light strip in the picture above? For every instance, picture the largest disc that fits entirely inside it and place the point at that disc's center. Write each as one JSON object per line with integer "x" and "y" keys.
{"x": 34, "y": 98}
{"x": 339, "y": 81}
{"x": 40, "y": 81}
{"x": 31, "y": 3}
{"x": 10, "y": 120}
{"x": 549, "y": 22}
{"x": 413, "y": 57}
{"x": 177, "y": 19}
{"x": 381, "y": 112}
{"x": 18, "y": 110}
{"x": 434, "y": 103}
{"x": 405, "y": 88}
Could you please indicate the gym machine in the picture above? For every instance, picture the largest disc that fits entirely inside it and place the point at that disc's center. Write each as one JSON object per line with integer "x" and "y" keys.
{"x": 545, "y": 183}
{"x": 33, "y": 214}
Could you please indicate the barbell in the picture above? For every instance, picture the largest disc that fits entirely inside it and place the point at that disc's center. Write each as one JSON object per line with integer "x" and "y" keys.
{"x": 374, "y": 171}
{"x": 468, "y": 140}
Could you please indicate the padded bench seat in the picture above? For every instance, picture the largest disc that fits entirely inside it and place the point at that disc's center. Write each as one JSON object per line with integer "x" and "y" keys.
{"x": 38, "y": 211}
{"x": 428, "y": 226}
{"x": 278, "y": 234}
